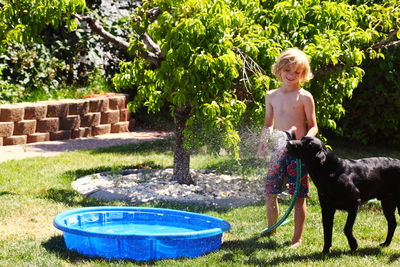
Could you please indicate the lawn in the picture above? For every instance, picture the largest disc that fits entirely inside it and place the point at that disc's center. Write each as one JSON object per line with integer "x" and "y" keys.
{"x": 33, "y": 191}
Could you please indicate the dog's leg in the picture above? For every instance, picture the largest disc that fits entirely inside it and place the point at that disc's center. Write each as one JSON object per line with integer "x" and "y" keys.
{"x": 389, "y": 208}
{"x": 328, "y": 214}
{"x": 348, "y": 228}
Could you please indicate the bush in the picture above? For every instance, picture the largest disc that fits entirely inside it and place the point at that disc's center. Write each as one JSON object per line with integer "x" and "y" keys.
{"x": 9, "y": 93}
{"x": 372, "y": 115}
{"x": 31, "y": 67}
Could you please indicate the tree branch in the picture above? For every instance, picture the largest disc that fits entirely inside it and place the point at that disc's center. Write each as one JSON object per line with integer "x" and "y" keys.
{"x": 151, "y": 45}
{"x": 97, "y": 28}
{"x": 328, "y": 70}
{"x": 384, "y": 43}
{"x": 394, "y": 43}
{"x": 155, "y": 57}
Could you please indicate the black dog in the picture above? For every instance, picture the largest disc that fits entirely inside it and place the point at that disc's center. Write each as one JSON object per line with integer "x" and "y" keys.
{"x": 346, "y": 184}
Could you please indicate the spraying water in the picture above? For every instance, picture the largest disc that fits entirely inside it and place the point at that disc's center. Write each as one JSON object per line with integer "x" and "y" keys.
{"x": 273, "y": 144}
{"x": 279, "y": 139}
{"x": 250, "y": 139}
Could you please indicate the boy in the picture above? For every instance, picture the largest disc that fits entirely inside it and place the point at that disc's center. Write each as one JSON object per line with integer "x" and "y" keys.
{"x": 288, "y": 106}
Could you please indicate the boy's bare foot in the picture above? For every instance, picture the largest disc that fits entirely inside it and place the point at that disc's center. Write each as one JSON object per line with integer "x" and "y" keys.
{"x": 273, "y": 232}
{"x": 295, "y": 244}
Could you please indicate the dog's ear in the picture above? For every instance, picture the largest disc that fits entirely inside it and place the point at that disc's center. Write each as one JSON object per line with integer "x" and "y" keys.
{"x": 321, "y": 155}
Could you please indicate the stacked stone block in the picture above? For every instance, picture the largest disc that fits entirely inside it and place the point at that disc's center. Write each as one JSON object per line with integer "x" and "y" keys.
{"x": 65, "y": 119}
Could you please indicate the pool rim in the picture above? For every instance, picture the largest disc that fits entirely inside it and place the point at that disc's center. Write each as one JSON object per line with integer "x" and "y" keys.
{"x": 58, "y": 222}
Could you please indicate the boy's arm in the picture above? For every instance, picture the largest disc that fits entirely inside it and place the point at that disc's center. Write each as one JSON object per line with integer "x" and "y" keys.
{"x": 269, "y": 113}
{"x": 309, "y": 108}
{"x": 267, "y": 128}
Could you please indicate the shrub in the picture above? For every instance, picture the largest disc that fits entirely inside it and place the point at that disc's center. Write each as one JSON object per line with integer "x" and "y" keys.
{"x": 372, "y": 115}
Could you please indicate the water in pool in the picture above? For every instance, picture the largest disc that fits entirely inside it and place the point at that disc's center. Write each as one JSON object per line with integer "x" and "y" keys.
{"x": 136, "y": 229}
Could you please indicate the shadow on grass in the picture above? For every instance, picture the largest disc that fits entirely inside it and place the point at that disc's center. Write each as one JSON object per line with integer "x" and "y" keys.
{"x": 251, "y": 245}
{"x": 76, "y": 174}
{"x": 394, "y": 258}
{"x": 156, "y": 146}
{"x": 319, "y": 256}
{"x": 71, "y": 198}
{"x": 56, "y": 245}
{"x": 5, "y": 193}
{"x": 255, "y": 244}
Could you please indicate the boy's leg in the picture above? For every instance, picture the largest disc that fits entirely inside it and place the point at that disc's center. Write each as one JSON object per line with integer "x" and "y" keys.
{"x": 272, "y": 210}
{"x": 300, "y": 209}
{"x": 273, "y": 187}
{"x": 300, "y": 212}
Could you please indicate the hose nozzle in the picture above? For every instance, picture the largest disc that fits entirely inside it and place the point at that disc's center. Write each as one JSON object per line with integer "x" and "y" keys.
{"x": 291, "y": 133}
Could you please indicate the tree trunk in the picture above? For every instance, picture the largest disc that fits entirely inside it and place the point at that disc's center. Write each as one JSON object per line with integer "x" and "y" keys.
{"x": 181, "y": 155}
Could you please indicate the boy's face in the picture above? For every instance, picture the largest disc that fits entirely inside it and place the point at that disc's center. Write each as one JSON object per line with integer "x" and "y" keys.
{"x": 291, "y": 74}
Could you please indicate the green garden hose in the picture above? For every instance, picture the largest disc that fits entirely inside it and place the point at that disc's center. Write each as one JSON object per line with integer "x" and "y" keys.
{"x": 296, "y": 190}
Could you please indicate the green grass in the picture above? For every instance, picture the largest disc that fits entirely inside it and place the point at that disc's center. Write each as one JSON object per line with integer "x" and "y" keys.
{"x": 33, "y": 191}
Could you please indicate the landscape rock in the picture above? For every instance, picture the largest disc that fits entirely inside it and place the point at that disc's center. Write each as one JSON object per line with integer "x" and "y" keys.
{"x": 147, "y": 185}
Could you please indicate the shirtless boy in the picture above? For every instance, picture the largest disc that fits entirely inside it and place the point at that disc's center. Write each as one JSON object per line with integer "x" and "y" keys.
{"x": 288, "y": 106}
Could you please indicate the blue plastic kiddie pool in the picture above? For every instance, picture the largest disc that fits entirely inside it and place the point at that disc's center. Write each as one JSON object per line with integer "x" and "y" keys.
{"x": 139, "y": 233}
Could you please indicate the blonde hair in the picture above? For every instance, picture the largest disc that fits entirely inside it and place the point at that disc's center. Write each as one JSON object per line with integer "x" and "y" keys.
{"x": 293, "y": 56}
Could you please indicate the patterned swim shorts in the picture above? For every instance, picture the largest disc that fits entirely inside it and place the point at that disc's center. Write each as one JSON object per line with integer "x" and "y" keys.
{"x": 281, "y": 166}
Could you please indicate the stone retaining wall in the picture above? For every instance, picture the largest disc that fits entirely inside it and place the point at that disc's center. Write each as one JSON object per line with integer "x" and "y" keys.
{"x": 64, "y": 119}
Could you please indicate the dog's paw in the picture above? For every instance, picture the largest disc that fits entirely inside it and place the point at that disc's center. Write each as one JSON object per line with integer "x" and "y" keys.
{"x": 353, "y": 246}
{"x": 326, "y": 249}
{"x": 384, "y": 244}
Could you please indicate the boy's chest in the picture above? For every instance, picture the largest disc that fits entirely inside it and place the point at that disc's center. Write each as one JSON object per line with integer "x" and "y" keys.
{"x": 287, "y": 105}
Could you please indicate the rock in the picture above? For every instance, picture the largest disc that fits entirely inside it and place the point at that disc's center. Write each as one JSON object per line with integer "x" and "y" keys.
{"x": 143, "y": 185}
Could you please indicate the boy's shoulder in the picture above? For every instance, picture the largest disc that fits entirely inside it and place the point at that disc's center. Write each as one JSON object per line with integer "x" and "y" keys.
{"x": 273, "y": 92}
{"x": 305, "y": 92}
{"x": 306, "y": 96}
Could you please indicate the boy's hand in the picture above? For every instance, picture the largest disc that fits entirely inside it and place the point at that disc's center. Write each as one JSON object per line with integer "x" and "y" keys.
{"x": 265, "y": 135}
{"x": 261, "y": 151}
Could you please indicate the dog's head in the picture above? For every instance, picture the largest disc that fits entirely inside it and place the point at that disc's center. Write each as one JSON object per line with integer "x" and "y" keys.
{"x": 308, "y": 148}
